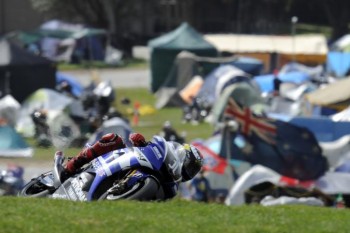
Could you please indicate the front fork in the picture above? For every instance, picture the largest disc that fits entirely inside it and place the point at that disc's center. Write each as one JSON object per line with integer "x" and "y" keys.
{"x": 130, "y": 179}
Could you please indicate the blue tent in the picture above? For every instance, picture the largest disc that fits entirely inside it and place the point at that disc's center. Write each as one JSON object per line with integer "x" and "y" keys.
{"x": 77, "y": 88}
{"x": 338, "y": 63}
{"x": 249, "y": 65}
{"x": 324, "y": 128}
{"x": 114, "y": 125}
{"x": 265, "y": 82}
{"x": 228, "y": 74}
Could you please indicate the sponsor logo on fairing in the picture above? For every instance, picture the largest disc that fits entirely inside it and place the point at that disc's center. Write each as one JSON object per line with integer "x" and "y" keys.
{"x": 141, "y": 157}
{"x": 59, "y": 196}
{"x": 71, "y": 194}
{"x": 98, "y": 167}
{"x": 77, "y": 189}
{"x": 158, "y": 154}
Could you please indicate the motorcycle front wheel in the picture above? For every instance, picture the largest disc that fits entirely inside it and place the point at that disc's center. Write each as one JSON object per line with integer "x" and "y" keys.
{"x": 149, "y": 189}
{"x": 35, "y": 188}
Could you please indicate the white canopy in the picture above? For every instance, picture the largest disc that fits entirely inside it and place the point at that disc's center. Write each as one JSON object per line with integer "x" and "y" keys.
{"x": 300, "y": 44}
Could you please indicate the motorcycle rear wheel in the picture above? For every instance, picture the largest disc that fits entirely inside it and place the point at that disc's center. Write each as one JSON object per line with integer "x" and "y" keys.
{"x": 142, "y": 191}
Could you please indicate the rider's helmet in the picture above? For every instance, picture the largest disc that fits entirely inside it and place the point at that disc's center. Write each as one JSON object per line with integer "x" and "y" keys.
{"x": 192, "y": 162}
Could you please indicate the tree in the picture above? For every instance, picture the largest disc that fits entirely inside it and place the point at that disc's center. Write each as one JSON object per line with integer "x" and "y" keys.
{"x": 91, "y": 12}
{"x": 333, "y": 13}
{"x": 112, "y": 15}
{"x": 338, "y": 15}
{"x": 152, "y": 17}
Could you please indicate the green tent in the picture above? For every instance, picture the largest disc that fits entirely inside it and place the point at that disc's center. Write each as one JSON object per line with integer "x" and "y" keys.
{"x": 165, "y": 48}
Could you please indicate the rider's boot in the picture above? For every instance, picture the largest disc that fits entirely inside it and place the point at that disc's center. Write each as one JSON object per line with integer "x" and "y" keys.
{"x": 107, "y": 143}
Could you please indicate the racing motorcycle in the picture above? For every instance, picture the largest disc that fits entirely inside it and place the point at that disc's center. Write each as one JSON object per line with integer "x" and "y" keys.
{"x": 133, "y": 173}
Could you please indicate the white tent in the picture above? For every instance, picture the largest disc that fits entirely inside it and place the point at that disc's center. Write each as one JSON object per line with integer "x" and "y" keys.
{"x": 114, "y": 125}
{"x": 9, "y": 110}
{"x": 256, "y": 175}
{"x": 240, "y": 43}
{"x": 331, "y": 183}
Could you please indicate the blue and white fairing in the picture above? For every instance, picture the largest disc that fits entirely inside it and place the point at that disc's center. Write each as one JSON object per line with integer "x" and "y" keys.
{"x": 151, "y": 156}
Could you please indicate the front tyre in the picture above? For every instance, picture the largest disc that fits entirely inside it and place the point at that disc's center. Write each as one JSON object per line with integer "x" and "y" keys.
{"x": 35, "y": 188}
{"x": 148, "y": 189}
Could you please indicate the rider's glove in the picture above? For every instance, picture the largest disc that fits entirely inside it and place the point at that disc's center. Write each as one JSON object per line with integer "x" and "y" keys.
{"x": 137, "y": 139}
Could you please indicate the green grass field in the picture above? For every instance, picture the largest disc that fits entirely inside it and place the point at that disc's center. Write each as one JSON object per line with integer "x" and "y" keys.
{"x": 46, "y": 215}
{"x": 27, "y": 215}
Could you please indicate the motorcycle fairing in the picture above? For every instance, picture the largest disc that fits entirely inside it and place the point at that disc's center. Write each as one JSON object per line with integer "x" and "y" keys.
{"x": 73, "y": 188}
{"x": 151, "y": 156}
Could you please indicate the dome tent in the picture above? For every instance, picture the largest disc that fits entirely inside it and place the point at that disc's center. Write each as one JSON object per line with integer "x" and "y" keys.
{"x": 12, "y": 143}
{"x": 165, "y": 48}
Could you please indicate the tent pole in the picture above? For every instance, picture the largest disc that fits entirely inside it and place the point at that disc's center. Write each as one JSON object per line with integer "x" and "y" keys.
{"x": 7, "y": 88}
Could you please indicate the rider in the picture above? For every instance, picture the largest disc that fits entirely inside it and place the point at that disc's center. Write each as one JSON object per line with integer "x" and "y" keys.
{"x": 184, "y": 160}
{"x": 107, "y": 143}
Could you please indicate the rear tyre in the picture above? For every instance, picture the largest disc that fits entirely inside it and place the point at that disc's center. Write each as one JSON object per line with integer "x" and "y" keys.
{"x": 146, "y": 190}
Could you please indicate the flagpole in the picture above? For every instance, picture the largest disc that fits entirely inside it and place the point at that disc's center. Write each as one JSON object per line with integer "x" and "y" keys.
{"x": 229, "y": 126}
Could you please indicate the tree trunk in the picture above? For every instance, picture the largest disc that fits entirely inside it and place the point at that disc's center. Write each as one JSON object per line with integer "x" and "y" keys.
{"x": 337, "y": 13}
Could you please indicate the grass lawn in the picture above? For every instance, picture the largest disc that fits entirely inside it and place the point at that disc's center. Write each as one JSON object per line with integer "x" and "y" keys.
{"x": 46, "y": 215}
{"x": 126, "y": 63}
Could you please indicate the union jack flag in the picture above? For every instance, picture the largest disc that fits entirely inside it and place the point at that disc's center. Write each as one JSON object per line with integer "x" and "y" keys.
{"x": 250, "y": 123}
{"x": 290, "y": 150}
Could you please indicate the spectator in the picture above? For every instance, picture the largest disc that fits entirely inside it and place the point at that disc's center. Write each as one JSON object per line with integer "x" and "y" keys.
{"x": 200, "y": 188}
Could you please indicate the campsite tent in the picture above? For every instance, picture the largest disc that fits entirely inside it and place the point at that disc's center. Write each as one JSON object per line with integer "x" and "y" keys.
{"x": 45, "y": 99}
{"x": 21, "y": 72}
{"x": 334, "y": 96}
{"x": 165, "y": 48}
{"x": 324, "y": 128}
{"x": 12, "y": 144}
{"x": 338, "y": 63}
{"x": 114, "y": 125}
{"x": 77, "y": 87}
{"x": 185, "y": 75}
{"x": 62, "y": 41}
{"x": 274, "y": 50}
{"x": 218, "y": 80}
{"x": 331, "y": 183}
{"x": 245, "y": 94}
{"x": 9, "y": 110}
{"x": 342, "y": 44}
{"x": 265, "y": 82}
{"x": 338, "y": 59}
{"x": 76, "y": 40}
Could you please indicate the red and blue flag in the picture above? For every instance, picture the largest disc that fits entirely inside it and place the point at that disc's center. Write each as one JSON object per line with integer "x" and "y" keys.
{"x": 288, "y": 149}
